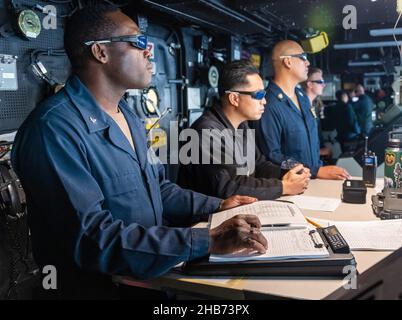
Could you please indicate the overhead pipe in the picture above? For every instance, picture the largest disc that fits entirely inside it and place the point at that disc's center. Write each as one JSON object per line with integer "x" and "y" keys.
{"x": 212, "y": 4}
{"x": 185, "y": 15}
{"x": 232, "y": 13}
{"x": 222, "y": 9}
{"x": 267, "y": 12}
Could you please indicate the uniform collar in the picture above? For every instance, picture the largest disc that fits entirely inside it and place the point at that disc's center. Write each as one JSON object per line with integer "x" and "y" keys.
{"x": 277, "y": 92}
{"x": 93, "y": 115}
{"x": 280, "y": 95}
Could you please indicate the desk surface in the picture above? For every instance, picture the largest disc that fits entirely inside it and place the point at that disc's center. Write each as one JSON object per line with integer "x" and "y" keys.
{"x": 279, "y": 287}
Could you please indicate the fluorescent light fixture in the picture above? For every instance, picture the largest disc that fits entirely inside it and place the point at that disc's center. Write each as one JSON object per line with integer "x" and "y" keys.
{"x": 385, "y": 32}
{"x": 375, "y": 74}
{"x": 362, "y": 45}
{"x": 364, "y": 63}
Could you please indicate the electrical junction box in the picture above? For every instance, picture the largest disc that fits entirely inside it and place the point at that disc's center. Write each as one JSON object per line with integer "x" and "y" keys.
{"x": 8, "y": 73}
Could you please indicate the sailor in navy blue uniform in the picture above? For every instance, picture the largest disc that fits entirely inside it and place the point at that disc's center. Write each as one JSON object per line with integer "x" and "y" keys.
{"x": 287, "y": 131}
{"x": 97, "y": 206}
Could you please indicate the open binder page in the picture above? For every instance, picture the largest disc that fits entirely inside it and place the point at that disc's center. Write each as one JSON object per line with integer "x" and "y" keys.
{"x": 270, "y": 213}
{"x": 282, "y": 244}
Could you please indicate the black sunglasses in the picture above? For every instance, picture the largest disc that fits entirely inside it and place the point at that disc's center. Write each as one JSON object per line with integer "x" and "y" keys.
{"x": 318, "y": 81}
{"x": 257, "y": 95}
{"x": 302, "y": 56}
{"x": 137, "y": 41}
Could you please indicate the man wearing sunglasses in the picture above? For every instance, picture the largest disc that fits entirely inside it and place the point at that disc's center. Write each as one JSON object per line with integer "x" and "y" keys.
{"x": 288, "y": 129}
{"x": 314, "y": 87}
{"x": 246, "y": 172}
{"x": 97, "y": 206}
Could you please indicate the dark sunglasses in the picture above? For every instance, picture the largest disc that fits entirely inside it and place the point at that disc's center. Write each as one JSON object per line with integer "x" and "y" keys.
{"x": 257, "y": 95}
{"x": 318, "y": 81}
{"x": 137, "y": 41}
{"x": 302, "y": 56}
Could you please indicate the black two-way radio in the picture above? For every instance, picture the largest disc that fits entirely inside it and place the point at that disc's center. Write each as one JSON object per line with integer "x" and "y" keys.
{"x": 369, "y": 166}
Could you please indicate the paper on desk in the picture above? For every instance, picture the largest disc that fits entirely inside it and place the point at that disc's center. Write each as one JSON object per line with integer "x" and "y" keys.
{"x": 379, "y": 185}
{"x": 377, "y": 235}
{"x": 282, "y": 244}
{"x": 316, "y": 203}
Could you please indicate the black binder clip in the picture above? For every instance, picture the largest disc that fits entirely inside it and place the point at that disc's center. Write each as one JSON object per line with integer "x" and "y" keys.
{"x": 317, "y": 245}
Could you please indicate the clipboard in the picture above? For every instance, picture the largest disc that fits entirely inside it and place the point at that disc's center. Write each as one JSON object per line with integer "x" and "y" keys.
{"x": 332, "y": 266}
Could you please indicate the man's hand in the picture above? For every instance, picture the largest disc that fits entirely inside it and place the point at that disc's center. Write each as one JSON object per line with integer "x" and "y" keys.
{"x": 235, "y": 201}
{"x": 296, "y": 180}
{"x": 241, "y": 232}
{"x": 333, "y": 173}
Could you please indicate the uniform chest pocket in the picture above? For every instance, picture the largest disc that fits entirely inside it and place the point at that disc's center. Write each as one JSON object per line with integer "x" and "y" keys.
{"x": 121, "y": 184}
